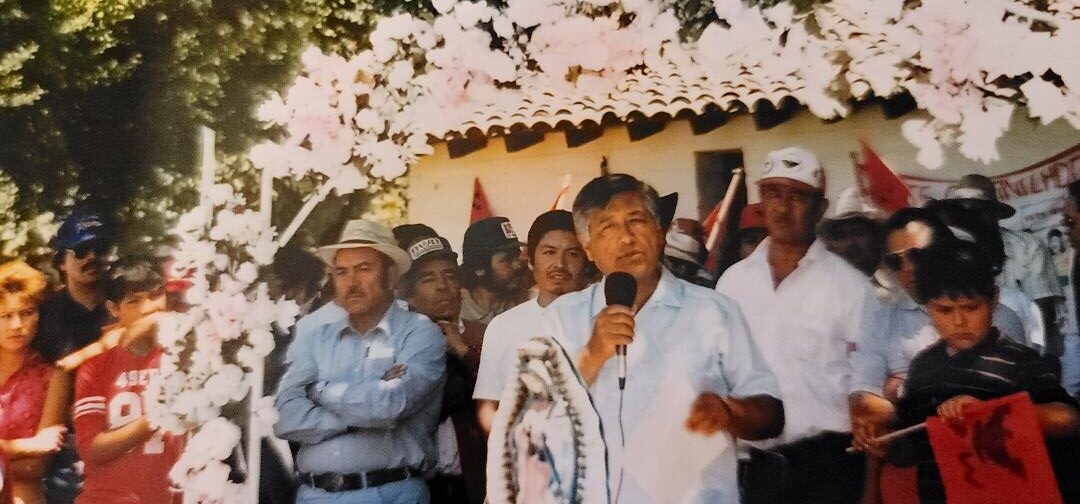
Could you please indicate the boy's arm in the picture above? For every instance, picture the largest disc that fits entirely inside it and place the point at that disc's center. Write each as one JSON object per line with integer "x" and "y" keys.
{"x": 110, "y": 445}
{"x": 1058, "y": 419}
{"x": 94, "y": 441}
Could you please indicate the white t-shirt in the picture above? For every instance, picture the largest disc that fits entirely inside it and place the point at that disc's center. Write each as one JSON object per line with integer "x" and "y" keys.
{"x": 807, "y": 329}
{"x": 504, "y": 335}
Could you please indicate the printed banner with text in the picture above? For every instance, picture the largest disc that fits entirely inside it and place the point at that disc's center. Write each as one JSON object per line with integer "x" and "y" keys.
{"x": 1038, "y": 194}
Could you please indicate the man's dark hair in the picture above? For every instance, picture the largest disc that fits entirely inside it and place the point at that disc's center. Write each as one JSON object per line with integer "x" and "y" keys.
{"x": 554, "y": 220}
{"x": 132, "y": 275}
{"x": 958, "y": 270}
{"x": 901, "y": 218}
{"x": 599, "y": 191}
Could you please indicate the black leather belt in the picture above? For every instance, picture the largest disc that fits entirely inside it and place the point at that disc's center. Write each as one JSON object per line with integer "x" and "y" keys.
{"x": 342, "y": 482}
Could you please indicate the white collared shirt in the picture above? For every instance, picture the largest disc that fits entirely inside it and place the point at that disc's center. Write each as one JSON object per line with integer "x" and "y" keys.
{"x": 502, "y": 338}
{"x": 807, "y": 327}
{"x": 686, "y": 338}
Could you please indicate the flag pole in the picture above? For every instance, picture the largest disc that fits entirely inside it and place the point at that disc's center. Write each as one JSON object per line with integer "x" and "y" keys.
{"x": 893, "y": 435}
{"x": 725, "y": 207}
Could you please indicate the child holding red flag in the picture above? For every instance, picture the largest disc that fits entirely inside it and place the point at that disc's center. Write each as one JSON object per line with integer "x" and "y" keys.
{"x": 970, "y": 364}
{"x": 127, "y": 458}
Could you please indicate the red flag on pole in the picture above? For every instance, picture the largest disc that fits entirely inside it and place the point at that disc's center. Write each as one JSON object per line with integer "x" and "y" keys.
{"x": 878, "y": 183}
{"x": 998, "y": 455}
{"x": 480, "y": 207}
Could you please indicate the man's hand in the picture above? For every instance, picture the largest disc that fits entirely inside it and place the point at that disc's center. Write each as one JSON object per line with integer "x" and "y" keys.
{"x": 46, "y": 441}
{"x": 952, "y": 411}
{"x": 395, "y": 371}
{"x": 454, "y": 340}
{"x": 708, "y": 415}
{"x": 864, "y": 435}
{"x": 870, "y": 417}
{"x": 614, "y": 326}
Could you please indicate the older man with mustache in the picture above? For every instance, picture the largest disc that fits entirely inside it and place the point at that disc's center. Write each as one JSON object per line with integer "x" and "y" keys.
{"x": 364, "y": 385}
{"x": 694, "y": 378}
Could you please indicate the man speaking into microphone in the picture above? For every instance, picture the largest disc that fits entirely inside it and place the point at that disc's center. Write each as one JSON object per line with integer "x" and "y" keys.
{"x": 693, "y": 377}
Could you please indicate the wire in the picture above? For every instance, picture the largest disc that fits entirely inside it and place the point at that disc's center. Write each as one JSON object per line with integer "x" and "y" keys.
{"x": 622, "y": 442}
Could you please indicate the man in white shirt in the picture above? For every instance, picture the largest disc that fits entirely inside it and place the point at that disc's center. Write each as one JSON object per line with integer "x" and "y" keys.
{"x": 694, "y": 377}
{"x": 807, "y": 309}
{"x": 558, "y": 265}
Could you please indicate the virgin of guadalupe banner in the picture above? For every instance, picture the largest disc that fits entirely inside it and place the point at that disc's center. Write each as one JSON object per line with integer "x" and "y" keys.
{"x": 1038, "y": 194}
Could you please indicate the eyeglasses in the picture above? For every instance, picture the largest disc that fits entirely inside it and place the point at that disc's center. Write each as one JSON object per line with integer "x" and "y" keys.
{"x": 84, "y": 249}
{"x": 895, "y": 260}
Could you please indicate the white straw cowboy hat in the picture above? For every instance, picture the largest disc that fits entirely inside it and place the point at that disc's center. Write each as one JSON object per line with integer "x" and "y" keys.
{"x": 364, "y": 233}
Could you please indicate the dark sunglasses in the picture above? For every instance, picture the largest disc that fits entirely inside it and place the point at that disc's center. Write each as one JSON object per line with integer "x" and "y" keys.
{"x": 84, "y": 249}
{"x": 895, "y": 260}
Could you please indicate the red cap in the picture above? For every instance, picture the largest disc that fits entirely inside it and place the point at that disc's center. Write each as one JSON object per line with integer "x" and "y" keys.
{"x": 176, "y": 281}
{"x": 751, "y": 217}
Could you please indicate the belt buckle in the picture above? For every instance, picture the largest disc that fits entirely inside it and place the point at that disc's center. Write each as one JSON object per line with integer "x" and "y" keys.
{"x": 337, "y": 482}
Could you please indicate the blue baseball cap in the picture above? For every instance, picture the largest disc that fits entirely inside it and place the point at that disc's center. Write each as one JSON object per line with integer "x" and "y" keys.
{"x": 81, "y": 228}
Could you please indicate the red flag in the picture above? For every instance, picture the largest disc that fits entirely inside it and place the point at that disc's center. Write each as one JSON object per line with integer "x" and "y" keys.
{"x": 998, "y": 455}
{"x": 480, "y": 208}
{"x": 878, "y": 183}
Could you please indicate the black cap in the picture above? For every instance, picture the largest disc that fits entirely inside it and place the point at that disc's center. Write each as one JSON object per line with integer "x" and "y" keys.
{"x": 422, "y": 242}
{"x": 485, "y": 237}
{"x": 553, "y": 220}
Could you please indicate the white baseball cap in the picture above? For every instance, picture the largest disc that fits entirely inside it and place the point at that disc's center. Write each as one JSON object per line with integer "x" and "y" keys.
{"x": 794, "y": 163}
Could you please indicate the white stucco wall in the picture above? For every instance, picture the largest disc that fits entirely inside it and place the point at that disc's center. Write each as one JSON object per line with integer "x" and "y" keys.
{"x": 523, "y": 184}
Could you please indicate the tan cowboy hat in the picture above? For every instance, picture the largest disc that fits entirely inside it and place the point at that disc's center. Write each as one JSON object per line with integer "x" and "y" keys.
{"x": 363, "y": 233}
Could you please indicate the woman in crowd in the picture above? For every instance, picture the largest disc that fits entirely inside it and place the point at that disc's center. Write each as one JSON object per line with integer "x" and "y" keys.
{"x": 33, "y": 394}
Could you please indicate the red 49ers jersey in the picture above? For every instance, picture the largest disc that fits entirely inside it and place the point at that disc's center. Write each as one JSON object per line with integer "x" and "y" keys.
{"x": 109, "y": 395}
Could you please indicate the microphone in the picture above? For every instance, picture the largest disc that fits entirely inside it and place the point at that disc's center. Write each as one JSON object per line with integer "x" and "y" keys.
{"x": 620, "y": 288}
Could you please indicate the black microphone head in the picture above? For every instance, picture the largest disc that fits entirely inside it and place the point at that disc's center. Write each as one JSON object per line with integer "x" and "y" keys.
{"x": 620, "y": 288}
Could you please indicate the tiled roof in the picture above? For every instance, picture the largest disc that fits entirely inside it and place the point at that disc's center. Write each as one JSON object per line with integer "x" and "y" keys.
{"x": 649, "y": 91}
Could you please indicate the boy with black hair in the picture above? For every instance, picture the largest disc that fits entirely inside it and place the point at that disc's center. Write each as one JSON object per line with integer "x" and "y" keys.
{"x": 971, "y": 363}
{"x": 127, "y": 458}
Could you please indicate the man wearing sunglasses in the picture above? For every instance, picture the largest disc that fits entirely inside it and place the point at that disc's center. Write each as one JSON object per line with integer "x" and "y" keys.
{"x": 73, "y": 318}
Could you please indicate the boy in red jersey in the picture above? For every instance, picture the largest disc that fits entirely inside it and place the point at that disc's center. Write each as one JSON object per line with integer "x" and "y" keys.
{"x": 127, "y": 458}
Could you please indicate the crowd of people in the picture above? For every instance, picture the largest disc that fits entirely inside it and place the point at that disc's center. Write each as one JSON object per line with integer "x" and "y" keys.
{"x": 837, "y": 326}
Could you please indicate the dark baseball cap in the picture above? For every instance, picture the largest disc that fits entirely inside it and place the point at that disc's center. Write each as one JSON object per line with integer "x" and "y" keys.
{"x": 422, "y": 242}
{"x": 485, "y": 237}
{"x": 80, "y": 228}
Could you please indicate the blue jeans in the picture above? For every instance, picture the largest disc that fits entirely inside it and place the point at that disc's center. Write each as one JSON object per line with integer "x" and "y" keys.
{"x": 1070, "y": 365}
{"x": 409, "y": 491}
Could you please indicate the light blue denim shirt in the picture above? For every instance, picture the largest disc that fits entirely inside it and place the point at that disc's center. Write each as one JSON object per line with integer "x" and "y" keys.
{"x": 358, "y": 422}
